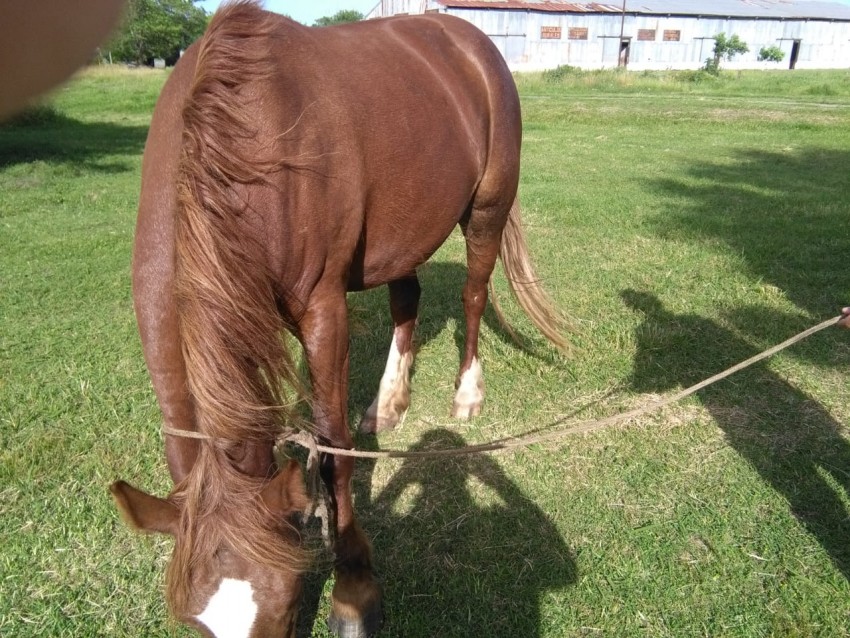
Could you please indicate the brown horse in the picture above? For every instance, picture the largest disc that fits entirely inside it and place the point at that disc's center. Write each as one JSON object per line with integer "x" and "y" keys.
{"x": 286, "y": 166}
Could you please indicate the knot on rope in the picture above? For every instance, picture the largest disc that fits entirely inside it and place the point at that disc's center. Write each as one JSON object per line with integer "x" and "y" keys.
{"x": 317, "y": 505}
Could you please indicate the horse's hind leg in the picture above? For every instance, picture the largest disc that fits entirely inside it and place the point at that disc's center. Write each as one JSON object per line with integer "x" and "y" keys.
{"x": 483, "y": 232}
{"x": 393, "y": 396}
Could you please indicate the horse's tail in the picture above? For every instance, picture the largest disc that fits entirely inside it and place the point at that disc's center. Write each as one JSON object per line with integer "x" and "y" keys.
{"x": 230, "y": 325}
{"x": 525, "y": 285}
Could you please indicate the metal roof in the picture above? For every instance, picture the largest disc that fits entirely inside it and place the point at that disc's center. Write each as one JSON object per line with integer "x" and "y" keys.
{"x": 533, "y": 5}
{"x": 777, "y": 9}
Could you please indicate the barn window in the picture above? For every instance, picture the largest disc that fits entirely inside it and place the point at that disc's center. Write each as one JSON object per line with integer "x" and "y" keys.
{"x": 578, "y": 33}
{"x": 672, "y": 36}
{"x": 646, "y": 35}
{"x": 550, "y": 33}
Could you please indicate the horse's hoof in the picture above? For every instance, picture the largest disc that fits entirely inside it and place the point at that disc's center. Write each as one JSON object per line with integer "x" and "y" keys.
{"x": 470, "y": 392}
{"x": 465, "y": 411}
{"x": 371, "y": 423}
{"x": 356, "y": 610}
{"x": 365, "y": 627}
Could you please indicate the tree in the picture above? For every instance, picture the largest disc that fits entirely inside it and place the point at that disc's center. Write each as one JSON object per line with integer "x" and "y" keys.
{"x": 157, "y": 29}
{"x": 771, "y": 54}
{"x": 340, "y": 17}
{"x": 724, "y": 48}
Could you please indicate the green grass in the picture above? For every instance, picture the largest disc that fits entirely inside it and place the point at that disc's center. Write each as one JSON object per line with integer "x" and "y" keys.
{"x": 685, "y": 225}
{"x": 814, "y": 85}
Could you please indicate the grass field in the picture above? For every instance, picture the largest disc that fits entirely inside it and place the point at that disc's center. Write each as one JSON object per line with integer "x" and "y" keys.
{"x": 686, "y": 223}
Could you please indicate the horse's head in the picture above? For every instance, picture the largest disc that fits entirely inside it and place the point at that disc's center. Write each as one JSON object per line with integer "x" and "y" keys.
{"x": 237, "y": 563}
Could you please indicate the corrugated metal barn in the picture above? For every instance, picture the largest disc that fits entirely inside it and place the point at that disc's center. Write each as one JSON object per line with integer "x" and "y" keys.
{"x": 649, "y": 34}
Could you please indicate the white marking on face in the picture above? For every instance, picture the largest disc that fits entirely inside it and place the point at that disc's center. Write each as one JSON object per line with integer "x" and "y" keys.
{"x": 231, "y": 611}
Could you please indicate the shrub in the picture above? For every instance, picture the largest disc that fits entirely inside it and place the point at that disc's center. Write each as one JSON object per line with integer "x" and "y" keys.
{"x": 711, "y": 66}
{"x": 724, "y": 48}
{"x": 559, "y": 73}
{"x": 697, "y": 76}
{"x": 771, "y": 54}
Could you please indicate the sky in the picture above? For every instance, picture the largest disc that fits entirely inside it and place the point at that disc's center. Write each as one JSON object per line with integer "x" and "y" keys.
{"x": 307, "y": 11}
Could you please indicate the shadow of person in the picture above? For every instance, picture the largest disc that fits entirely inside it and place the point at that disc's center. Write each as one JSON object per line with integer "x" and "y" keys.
{"x": 460, "y": 549}
{"x": 784, "y": 434}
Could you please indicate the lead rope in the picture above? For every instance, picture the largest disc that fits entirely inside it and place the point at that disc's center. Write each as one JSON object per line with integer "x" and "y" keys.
{"x": 582, "y": 428}
{"x": 307, "y": 440}
{"x": 317, "y": 506}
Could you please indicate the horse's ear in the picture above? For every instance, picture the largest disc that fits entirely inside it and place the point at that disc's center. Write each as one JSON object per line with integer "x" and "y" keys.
{"x": 285, "y": 494}
{"x": 144, "y": 512}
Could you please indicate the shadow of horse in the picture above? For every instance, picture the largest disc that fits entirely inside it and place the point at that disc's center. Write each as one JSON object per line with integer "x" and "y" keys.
{"x": 460, "y": 549}
{"x": 482, "y": 568}
{"x": 793, "y": 443}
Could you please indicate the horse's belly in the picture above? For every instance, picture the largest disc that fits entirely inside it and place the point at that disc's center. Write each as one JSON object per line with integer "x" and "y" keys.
{"x": 394, "y": 251}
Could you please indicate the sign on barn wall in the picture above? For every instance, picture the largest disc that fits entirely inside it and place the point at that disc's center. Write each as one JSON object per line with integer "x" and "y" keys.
{"x": 550, "y": 33}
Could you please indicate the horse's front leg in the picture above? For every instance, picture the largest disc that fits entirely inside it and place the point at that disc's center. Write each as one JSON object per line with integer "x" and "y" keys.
{"x": 356, "y": 596}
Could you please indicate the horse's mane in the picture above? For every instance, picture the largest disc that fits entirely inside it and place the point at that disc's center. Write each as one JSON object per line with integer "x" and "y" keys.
{"x": 236, "y": 360}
